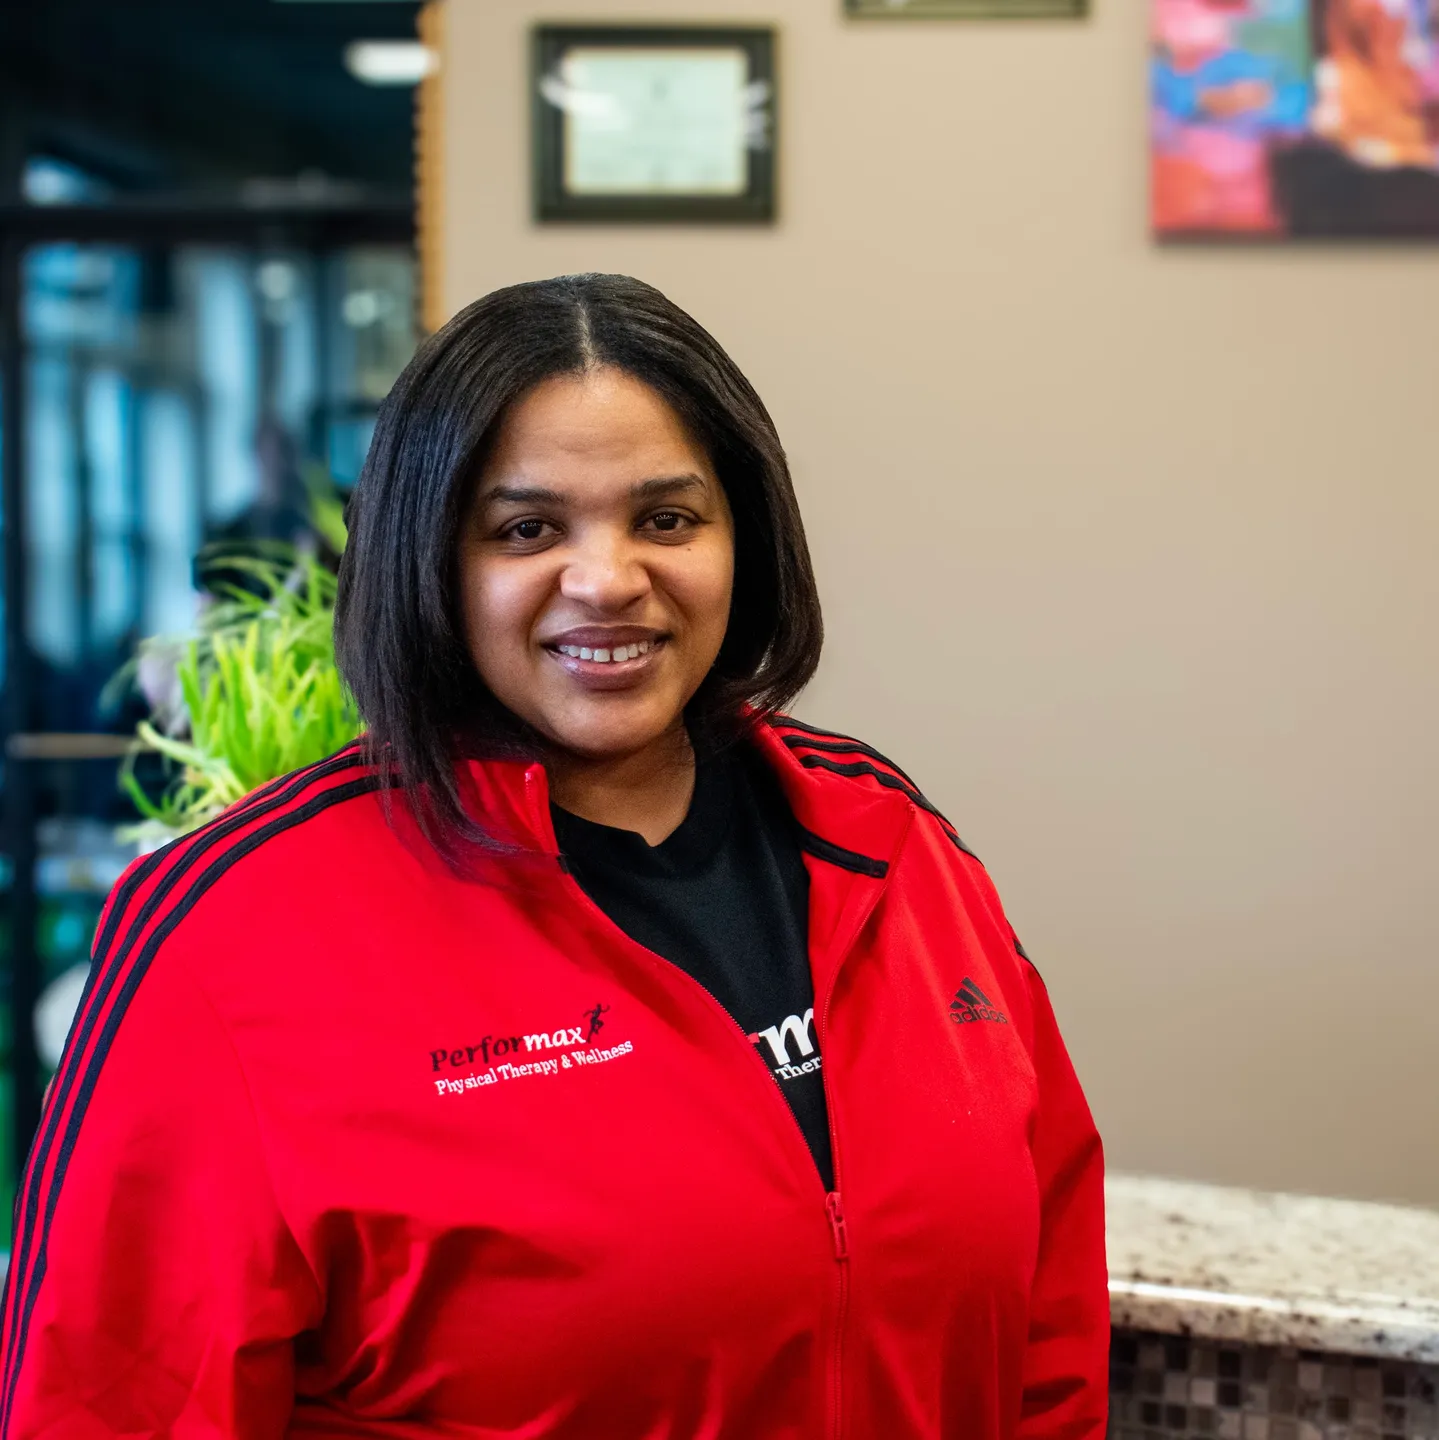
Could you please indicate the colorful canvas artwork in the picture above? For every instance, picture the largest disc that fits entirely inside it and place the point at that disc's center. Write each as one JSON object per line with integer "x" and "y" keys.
{"x": 1295, "y": 118}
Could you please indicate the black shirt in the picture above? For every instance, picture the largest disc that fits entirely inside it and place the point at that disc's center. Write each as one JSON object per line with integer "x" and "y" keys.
{"x": 725, "y": 898}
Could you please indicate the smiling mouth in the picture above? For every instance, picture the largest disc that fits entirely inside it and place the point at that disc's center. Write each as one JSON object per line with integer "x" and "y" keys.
{"x": 602, "y": 655}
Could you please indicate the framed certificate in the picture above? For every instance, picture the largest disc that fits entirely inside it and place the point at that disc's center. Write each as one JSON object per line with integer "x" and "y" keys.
{"x": 653, "y": 124}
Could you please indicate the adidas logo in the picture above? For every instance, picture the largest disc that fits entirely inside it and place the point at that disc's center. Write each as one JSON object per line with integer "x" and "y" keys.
{"x": 971, "y": 1004}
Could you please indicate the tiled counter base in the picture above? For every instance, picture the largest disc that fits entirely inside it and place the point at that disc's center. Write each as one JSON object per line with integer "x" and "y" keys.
{"x": 1165, "y": 1387}
{"x": 1246, "y": 1316}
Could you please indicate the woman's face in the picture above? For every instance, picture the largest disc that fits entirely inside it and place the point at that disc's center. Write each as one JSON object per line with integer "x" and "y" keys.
{"x": 596, "y": 564}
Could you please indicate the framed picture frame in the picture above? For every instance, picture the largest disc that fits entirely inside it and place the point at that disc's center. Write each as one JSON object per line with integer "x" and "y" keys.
{"x": 647, "y": 123}
{"x": 967, "y": 9}
{"x": 1275, "y": 121}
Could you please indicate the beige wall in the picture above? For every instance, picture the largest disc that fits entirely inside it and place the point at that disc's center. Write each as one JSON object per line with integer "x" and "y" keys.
{"x": 1128, "y": 554}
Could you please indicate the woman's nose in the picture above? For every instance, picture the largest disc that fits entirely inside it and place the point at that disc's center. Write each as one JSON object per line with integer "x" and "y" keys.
{"x": 605, "y": 572}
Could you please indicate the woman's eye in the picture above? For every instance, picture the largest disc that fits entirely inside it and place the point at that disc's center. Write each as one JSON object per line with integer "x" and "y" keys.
{"x": 526, "y": 530}
{"x": 667, "y": 521}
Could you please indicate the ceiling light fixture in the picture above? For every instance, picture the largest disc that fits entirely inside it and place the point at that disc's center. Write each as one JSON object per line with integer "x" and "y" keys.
{"x": 390, "y": 62}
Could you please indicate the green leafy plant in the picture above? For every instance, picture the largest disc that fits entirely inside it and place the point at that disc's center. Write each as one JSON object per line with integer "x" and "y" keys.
{"x": 254, "y": 694}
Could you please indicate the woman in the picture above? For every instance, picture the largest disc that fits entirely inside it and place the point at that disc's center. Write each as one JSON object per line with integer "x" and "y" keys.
{"x": 594, "y": 1052}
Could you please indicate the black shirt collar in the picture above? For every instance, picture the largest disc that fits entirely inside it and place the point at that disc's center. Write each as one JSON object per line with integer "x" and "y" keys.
{"x": 698, "y": 837}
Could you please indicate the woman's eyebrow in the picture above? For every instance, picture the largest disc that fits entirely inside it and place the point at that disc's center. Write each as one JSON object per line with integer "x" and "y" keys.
{"x": 661, "y": 485}
{"x": 522, "y": 495}
{"x": 666, "y": 485}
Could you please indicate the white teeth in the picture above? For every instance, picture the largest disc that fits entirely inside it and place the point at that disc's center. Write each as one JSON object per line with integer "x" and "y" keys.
{"x": 615, "y": 653}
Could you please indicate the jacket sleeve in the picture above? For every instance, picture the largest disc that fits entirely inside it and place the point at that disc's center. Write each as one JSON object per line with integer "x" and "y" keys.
{"x": 154, "y": 1287}
{"x": 1066, "y": 1365}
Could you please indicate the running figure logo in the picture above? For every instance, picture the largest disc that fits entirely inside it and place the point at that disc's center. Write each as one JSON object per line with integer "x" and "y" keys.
{"x": 596, "y": 1024}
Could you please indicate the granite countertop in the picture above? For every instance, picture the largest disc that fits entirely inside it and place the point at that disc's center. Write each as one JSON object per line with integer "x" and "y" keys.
{"x": 1344, "y": 1276}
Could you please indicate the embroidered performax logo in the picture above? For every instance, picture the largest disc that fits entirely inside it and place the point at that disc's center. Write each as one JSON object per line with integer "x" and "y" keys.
{"x": 495, "y": 1059}
{"x": 971, "y": 1004}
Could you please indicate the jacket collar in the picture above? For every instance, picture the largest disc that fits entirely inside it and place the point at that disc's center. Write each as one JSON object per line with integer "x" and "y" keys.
{"x": 846, "y": 822}
{"x": 851, "y": 830}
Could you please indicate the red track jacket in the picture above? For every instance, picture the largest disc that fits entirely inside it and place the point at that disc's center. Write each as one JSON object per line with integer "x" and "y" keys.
{"x": 343, "y": 1145}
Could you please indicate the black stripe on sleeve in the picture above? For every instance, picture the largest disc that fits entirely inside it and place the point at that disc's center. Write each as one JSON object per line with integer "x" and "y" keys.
{"x": 37, "y": 1232}
{"x": 101, "y": 981}
{"x": 835, "y": 744}
{"x": 346, "y": 759}
{"x": 892, "y": 782}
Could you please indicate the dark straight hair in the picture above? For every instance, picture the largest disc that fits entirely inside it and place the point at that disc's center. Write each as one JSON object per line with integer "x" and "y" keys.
{"x": 399, "y": 638}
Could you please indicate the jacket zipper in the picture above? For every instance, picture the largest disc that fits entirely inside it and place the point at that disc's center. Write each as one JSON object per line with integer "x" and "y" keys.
{"x": 836, "y": 1355}
{"x": 834, "y": 1209}
{"x": 834, "y": 1204}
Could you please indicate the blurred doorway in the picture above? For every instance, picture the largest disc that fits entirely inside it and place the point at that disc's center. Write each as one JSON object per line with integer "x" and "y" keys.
{"x": 170, "y": 376}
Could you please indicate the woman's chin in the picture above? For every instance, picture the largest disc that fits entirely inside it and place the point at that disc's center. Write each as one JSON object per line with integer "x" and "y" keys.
{"x": 615, "y": 733}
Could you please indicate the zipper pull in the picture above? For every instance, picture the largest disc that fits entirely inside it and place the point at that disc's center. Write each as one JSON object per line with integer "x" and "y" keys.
{"x": 837, "y": 1226}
